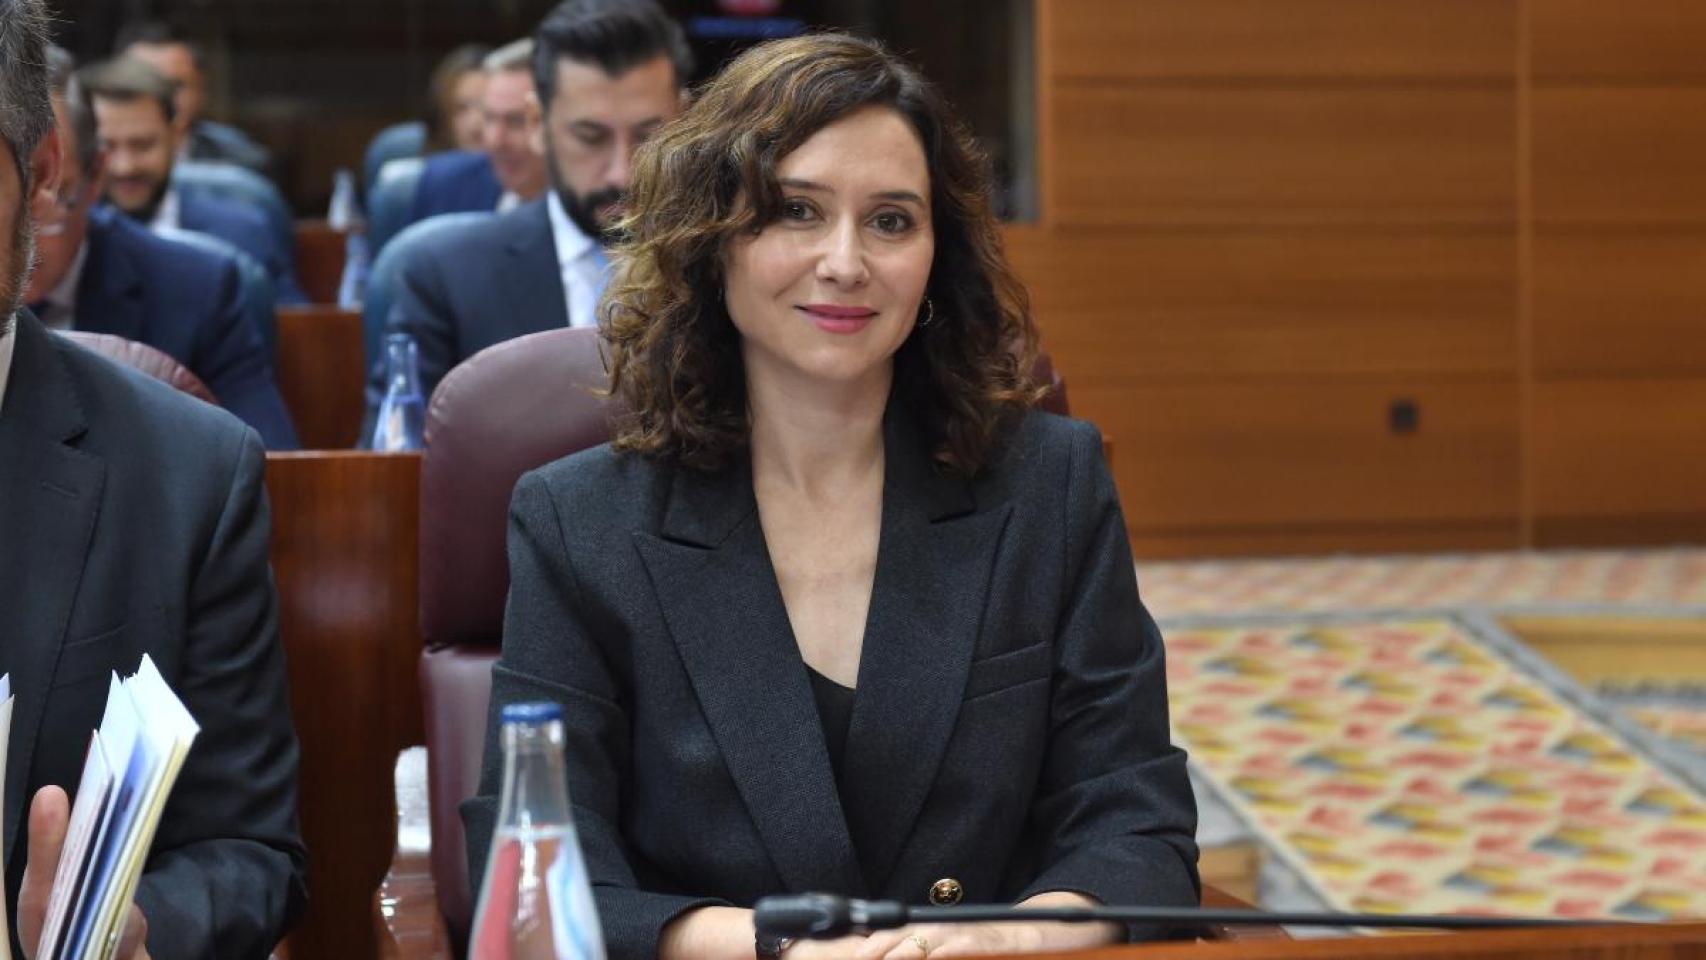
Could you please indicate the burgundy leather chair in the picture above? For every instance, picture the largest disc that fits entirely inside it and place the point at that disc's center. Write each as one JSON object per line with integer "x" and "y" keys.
{"x": 507, "y": 409}
{"x": 144, "y": 358}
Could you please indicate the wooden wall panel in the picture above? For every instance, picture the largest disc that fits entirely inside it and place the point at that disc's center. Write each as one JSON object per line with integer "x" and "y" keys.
{"x": 1619, "y": 305}
{"x": 1623, "y": 447}
{"x": 1139, "y": 156}
{"x": 1145, "y": 39}
{"x": 1162, "y": 307}
{"x": 1619, "y": 155}
{"x": 1583, "y": 40}
{"x": 1246, "y": 456}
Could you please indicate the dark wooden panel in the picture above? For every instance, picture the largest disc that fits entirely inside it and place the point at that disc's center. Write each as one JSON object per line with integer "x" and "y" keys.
{"x": 1251, "y": 456}
{"x": 1620, "y": 448}
{"x": 1633, "y": 941}
{"x": 321, "y": 375}
{"x": 1242, "y": 156}
{"x": 1620, "y": 304}
{"x": 1145, "y": 39}
{"x": 1581, "y": 39}
{"x": 1207, "y": 306}
{"x": 319, "y": 260}
{"x": 1619, "y": 155}
{"x": 344, "y": 553}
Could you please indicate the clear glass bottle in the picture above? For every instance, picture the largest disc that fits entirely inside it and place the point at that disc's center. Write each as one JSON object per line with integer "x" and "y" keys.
{"x": 401, "y": 424}
{"x": 536, "y": 899}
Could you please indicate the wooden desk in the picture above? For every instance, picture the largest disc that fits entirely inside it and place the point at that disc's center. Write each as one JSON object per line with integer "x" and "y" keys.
{"x": 319, "y": 260}
{"x": 345, "y": 544}
{"x": 1632, "y": 942}
{"x": 322, "y": 374}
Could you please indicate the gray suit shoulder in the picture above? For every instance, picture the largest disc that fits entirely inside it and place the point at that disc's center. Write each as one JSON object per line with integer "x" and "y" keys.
{"x": 149, "y": 421}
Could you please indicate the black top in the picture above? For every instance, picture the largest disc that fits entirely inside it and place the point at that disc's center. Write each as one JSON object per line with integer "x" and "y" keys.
{"x": 835, "y": 712}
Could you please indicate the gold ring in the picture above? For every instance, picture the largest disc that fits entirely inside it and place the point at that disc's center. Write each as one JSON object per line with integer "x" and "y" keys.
{"x": 919, "y": 941}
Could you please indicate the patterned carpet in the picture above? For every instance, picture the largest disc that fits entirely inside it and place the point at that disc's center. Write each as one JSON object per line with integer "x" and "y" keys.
{"x": 1395, "y": 760}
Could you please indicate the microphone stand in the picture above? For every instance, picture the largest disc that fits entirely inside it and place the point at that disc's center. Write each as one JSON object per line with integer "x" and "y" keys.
{"x": 824, "y": 916}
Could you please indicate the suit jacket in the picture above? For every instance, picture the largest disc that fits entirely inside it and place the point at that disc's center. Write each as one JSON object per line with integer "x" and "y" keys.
{"x": 455, "y": 181}
{"x": 1010, "y": 725}
{"x": 471, "y": 286}
{"x": 185, "y": 302}
{"x": 135, "y": 522}
{"x": 246, "y": 229}
{"x": 218, "y": 141}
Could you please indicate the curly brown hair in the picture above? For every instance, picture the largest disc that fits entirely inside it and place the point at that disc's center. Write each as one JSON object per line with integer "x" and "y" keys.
{"x": 710, "y": 175}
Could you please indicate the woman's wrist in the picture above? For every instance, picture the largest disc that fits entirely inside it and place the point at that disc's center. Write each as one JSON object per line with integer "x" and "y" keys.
{"x": 710, "y": 933}
{"x": 1053, "y": 935}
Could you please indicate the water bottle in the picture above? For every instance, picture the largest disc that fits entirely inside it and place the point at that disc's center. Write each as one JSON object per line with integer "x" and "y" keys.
{"x": 342, "y": 214}
{"x": 402, "y": 414}
{"x": 536, "y": 900}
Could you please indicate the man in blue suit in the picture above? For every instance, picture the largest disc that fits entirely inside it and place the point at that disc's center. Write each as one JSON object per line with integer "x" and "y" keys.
{"x": 510, "y": 170}
{"x": 608, "y": 73}
{"x": 134, "y": 108}
{"x": 100, "y": 272}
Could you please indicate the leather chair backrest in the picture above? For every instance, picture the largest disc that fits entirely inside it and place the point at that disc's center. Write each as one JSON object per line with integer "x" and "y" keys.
{"x": 257, "y": 291}
{"x": 391, "y": 201}
{"x": 505, "y": 410}
{"x": 407, "y": 139}
{"x": 245, "y": 186}
{"x": 381, "y": 292}
{"x": 143, "y": 358}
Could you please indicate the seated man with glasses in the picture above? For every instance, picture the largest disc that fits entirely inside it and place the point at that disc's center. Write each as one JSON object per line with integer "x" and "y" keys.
{"x": 100, "y": 272}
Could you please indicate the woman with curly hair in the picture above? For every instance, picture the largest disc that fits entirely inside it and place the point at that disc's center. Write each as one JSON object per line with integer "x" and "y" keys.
{"x": 836, "y": 610}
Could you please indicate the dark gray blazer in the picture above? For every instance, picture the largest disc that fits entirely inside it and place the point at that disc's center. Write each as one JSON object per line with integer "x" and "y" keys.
{"x": 132, "y": 521}
{"x": 1009, "y": 730}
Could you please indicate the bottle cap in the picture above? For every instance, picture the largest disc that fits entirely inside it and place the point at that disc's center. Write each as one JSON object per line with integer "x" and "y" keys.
{"x": 540, "y": 712}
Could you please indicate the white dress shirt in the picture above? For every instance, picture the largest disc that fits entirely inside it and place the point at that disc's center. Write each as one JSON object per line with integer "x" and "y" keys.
{"x": 60, "y": 308}
{"x": 582, "y": 262}
{"x": 6, "y": 339}
{"x": 167, "y": 213}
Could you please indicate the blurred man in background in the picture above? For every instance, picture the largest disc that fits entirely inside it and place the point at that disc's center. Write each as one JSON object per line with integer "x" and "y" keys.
{"x": 608, "y": 73}
{"x": 135, "y": 110}
{"x": 510, "y": 168}
{"x": 98, "y": 271}
{"x": 168, "y": 51}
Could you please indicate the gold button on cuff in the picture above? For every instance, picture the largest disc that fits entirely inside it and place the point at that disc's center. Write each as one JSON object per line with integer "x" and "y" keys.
{"x": 946, "y": 892}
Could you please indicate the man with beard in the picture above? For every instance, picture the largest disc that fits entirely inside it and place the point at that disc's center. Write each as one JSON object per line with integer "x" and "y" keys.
{"x": 135, "y": 111}
{"x": 132, "y": 521}
{"x": 608, "y": 74}
{"x": 170, "y": 51}
{"x": 96, "y": 270}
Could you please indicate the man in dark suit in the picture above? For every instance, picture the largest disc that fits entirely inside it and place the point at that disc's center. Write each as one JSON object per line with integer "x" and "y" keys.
{"x": 134, "y": 522}
{"x": 98, "y": 271}
{"x": 134, "y": 110}
{"x": 455, "y": 181}
{"x": 167, "y": 50}
{"x": 608, "y": 74}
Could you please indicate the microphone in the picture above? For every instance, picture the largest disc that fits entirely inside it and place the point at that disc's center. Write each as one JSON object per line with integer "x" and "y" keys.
{"x": 823, "y": 916}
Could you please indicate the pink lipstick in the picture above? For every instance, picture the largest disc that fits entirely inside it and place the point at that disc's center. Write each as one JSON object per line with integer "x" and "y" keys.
{"x": 832, "y": 318}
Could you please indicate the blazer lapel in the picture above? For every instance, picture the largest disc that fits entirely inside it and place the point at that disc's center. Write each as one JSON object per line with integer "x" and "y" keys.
{"x": 712, "y": 574}
{"x": 933, "y": 568}
{"x": 536, "y": 284}
{"x": 49, "y": 497}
